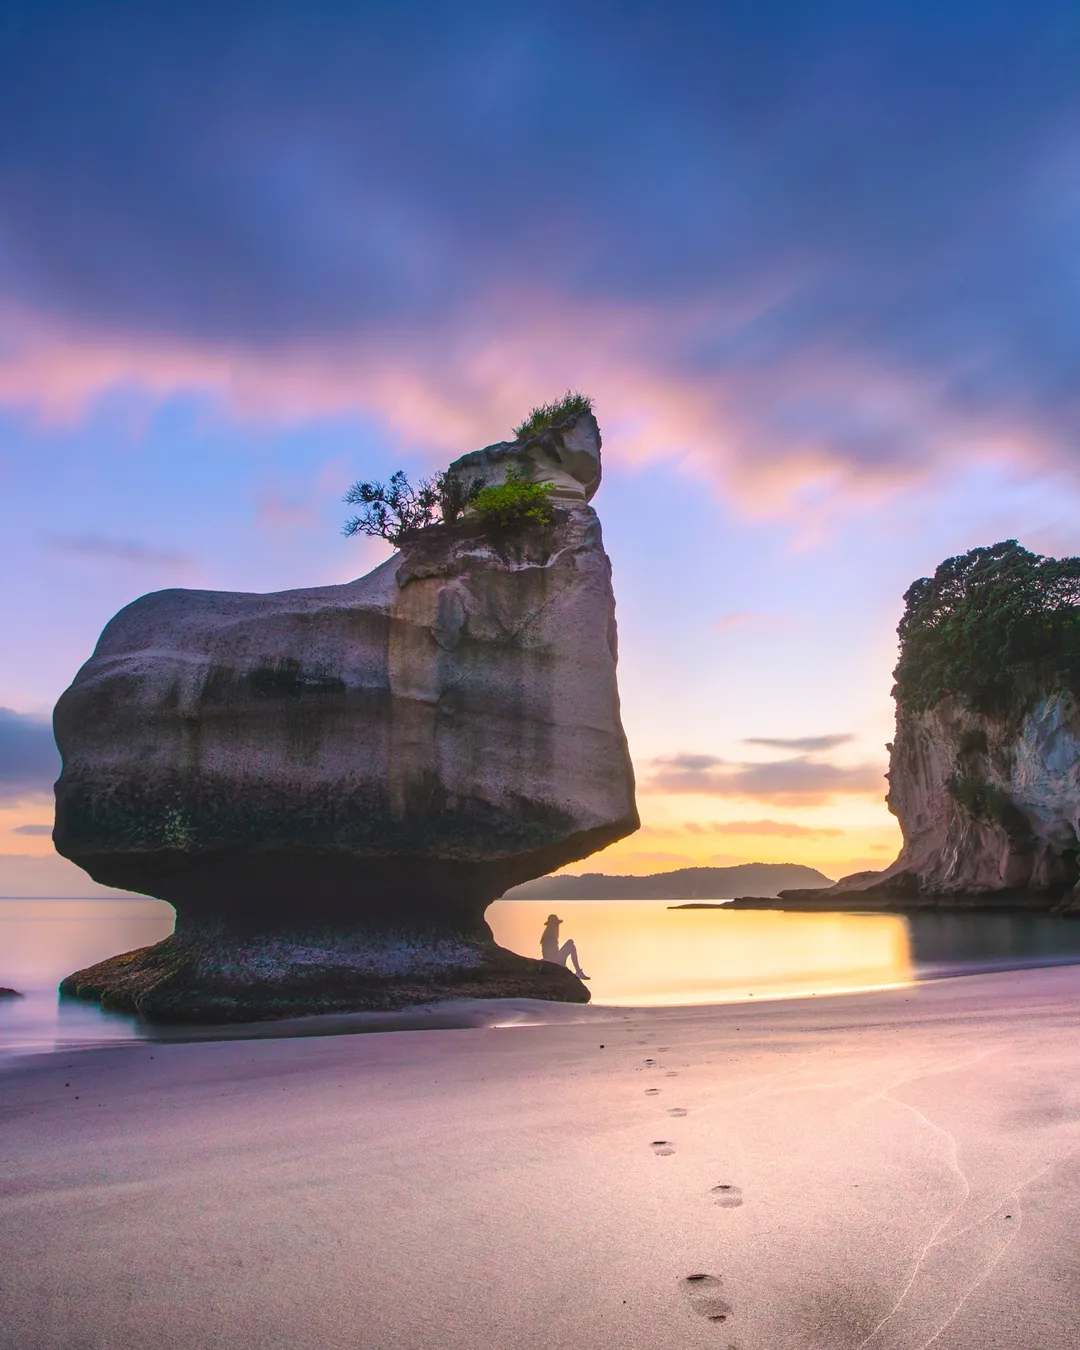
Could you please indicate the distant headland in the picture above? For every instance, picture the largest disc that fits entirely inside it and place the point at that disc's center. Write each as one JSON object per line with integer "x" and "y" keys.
{"x": 687, "y": 883}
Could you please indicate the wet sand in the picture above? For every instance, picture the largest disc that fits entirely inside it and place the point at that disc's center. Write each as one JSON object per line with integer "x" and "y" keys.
{"x": 894, "y": 1170}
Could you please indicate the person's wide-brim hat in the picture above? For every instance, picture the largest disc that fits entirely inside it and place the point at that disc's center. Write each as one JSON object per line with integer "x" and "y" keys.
{"x": 553, "y": 918}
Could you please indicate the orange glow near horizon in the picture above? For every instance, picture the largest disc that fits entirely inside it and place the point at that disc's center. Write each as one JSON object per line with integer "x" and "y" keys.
{"x": 850, "y": 836}
{"x": 643, "y": 953}
{"x": 853, "y": 835}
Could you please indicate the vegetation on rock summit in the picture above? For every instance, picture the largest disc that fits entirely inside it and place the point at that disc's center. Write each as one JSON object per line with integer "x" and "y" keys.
{"x": 995, "y": 626}
{"x": 396, "y": 509}
{"x": 549, "y": 414}
{"x": 515, "y": 503}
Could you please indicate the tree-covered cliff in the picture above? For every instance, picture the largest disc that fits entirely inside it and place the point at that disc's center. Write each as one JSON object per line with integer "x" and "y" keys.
{"x": 984, "y": 768}
{"x": 992, "y": 626}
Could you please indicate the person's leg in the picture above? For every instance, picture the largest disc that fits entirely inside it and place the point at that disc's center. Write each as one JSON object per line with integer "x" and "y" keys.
{"x": 569, "y": 950}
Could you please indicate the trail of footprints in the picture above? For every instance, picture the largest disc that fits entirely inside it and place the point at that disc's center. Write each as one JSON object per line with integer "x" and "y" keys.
{"x": 701, "y": 1289}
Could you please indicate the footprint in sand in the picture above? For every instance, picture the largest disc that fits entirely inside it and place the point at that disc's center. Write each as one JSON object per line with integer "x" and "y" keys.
{"x": 652, "y": 1092}
{"x": 727, "y": 1197}
{"x": 671, "y": 1073}
{"x": 703, "y": 1292}
{"x": 676, "y": 1110}
{"x": 663, "y": 1148}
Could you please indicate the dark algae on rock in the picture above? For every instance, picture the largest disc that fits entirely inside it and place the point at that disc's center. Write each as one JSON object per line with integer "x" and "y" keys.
{"x": 221, "y": 974}
{"x": 984, "y": 770}
{"x": 331, "y": 785}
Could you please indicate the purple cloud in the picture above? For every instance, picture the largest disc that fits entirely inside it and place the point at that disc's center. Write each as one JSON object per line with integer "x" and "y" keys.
{"x": 807, "y": 744}
{"x": 802, "y": 781}
{"x": 118, "y": 550}
{"x": 851, "y": 257}
{"x": 29, "y": 759}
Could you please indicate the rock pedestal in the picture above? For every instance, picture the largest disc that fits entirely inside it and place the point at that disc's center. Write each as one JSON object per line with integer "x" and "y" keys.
{"x": 331, "y": 785}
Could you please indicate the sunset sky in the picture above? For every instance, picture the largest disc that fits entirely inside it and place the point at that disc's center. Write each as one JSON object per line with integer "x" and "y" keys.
{"x": 817, "y": 264}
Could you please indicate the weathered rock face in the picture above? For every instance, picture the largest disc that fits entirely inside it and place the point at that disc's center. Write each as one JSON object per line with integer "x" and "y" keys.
{"x": 989, "y": 807}
{"x": 341, "y": 779}
{"x": 985, "y": 806}
{"x": 985, "y": 770}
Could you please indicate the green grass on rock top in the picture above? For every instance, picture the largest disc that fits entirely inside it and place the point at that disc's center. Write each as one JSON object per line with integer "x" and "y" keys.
{"x": 548, "y": 414}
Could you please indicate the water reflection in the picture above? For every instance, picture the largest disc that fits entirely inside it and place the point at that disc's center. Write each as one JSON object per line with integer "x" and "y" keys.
{"x": 642, "y": 953}
{"x": 944, "y": 944}
{"x": 41, "y": 941}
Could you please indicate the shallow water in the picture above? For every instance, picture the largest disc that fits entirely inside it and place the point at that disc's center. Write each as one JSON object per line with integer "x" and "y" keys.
{"x": 41, "y": 941}
{"x": 641, "y": 953}
{"x": 637, "y": 953}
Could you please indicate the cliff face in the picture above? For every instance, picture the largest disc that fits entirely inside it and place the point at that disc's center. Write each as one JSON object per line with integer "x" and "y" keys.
{"x": 989, "y": 807}
{"x": 358, "y": 769}
{"x": 984, "y": 776}
{"x": 986, "y": 804}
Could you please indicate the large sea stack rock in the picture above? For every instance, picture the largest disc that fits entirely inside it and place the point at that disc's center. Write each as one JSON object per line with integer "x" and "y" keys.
{"x": 331, "y": 785}
{"x": 984, "y": 772}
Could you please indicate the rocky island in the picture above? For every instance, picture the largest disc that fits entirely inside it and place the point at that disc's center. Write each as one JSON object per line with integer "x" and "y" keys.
{"x": 331, "y": 785}
{"x": 984, "y": 770}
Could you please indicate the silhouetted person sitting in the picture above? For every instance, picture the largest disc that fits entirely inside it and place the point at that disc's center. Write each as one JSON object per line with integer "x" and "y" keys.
{"x": 551, "y": 951}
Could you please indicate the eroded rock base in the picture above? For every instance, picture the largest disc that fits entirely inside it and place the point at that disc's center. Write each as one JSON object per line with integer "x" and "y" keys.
{"x": 217, "y": 975}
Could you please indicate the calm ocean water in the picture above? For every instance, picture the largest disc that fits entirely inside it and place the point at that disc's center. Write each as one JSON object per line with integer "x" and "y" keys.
{"x": 636, "y": 952}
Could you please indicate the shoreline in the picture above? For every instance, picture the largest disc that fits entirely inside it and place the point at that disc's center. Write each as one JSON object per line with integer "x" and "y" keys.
{"x": 906, "y": 1160}
{"x": 493, "y": 1013}
{"x": 875, "y": 902}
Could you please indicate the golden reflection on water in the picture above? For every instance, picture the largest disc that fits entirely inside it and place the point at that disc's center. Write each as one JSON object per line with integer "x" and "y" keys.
{"x": 641, "y": 952}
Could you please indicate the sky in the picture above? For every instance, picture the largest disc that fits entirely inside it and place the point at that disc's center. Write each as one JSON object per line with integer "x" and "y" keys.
{"x": 817, "y": 264}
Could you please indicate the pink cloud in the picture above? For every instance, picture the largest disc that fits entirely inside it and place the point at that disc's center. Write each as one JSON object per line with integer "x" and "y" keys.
{"x": 750, "y": 618}
{"x": 634, "y": 861}
{"x": 281, "y": 515}
{"x": 781, "y": 829}
{"x": 753, "y": 432}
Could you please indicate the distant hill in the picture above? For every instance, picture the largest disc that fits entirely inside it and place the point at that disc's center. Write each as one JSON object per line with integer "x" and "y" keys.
{"x": 688, "y": 883}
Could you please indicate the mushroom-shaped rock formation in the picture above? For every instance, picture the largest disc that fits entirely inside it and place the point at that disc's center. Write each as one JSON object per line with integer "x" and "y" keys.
{"x": 331, "y": 785}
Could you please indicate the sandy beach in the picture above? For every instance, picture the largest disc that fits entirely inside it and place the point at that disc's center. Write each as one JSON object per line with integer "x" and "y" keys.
{"x": 867, "y": 1171}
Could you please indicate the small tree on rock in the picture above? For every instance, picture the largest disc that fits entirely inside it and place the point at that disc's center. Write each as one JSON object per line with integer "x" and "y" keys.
{"x": 395, "y": 509}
